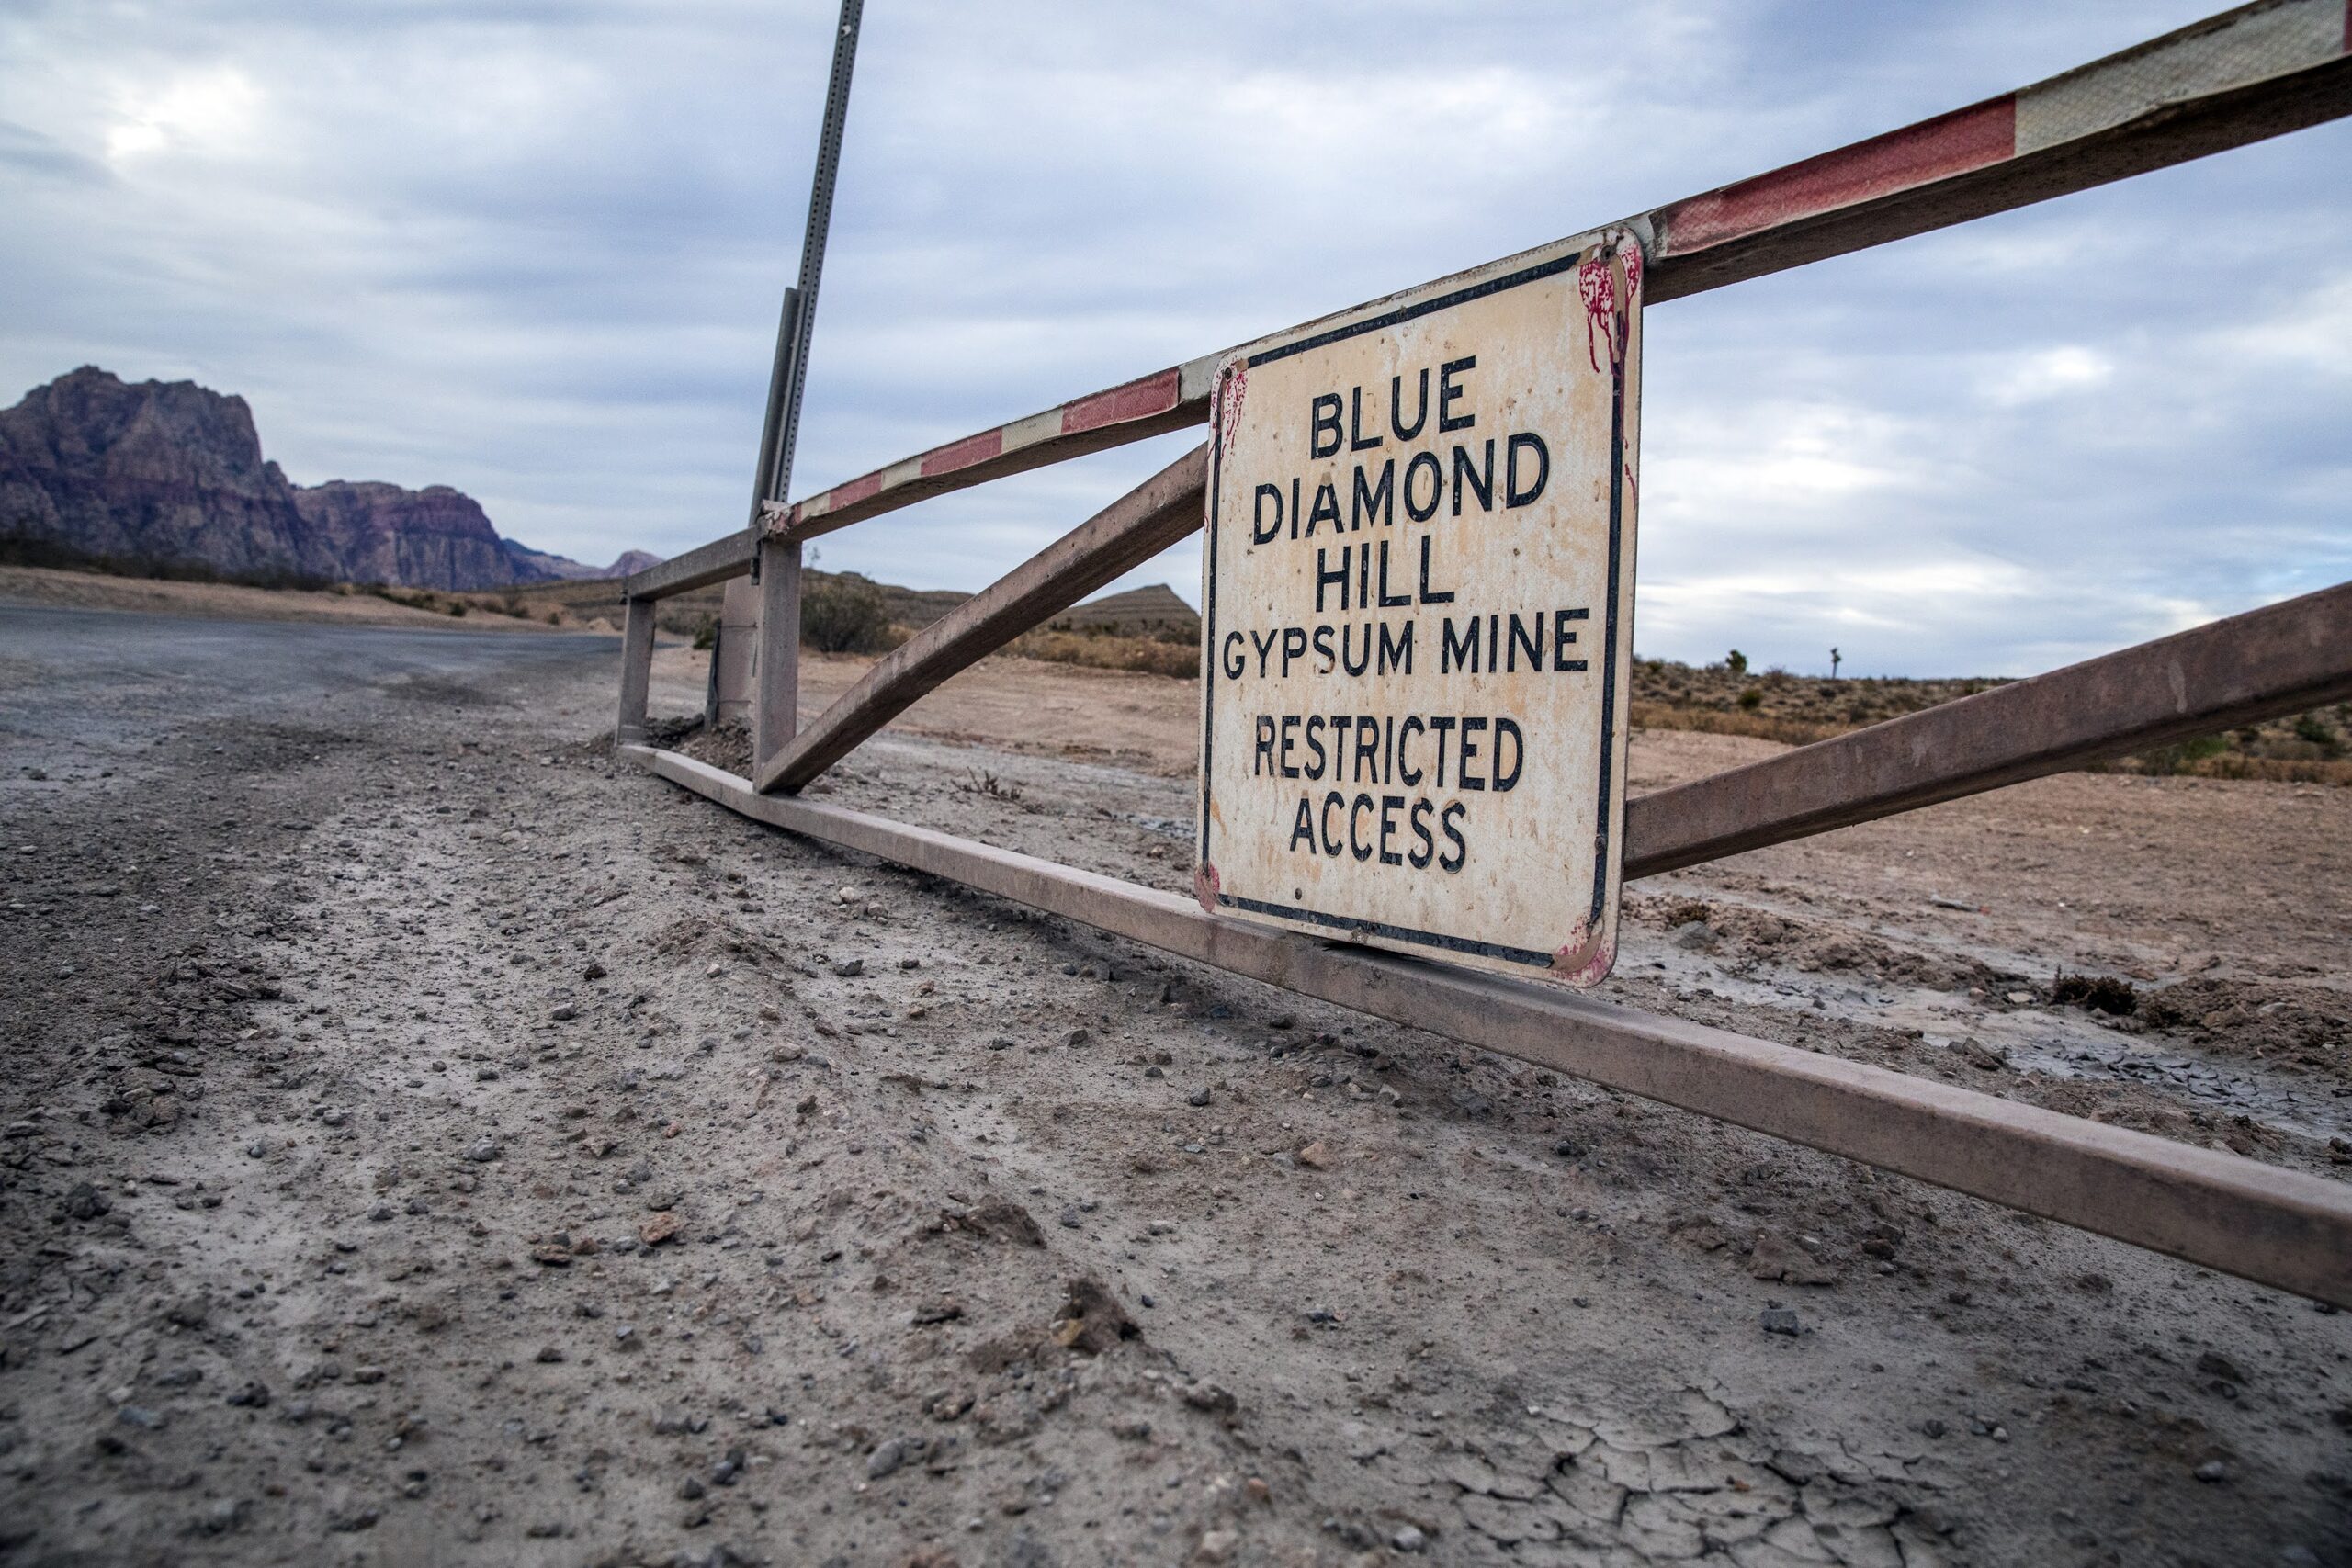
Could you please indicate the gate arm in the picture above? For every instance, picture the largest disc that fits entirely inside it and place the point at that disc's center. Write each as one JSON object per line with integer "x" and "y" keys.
{"x": 2266, "y": 663}
{"x": 1130, "y": 531}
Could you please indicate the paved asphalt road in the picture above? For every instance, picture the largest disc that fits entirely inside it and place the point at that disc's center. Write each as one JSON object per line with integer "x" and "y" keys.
{"x": 95, "y": 688}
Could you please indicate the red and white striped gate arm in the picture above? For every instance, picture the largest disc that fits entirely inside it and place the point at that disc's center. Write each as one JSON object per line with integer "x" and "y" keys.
{"x": 2242, "y": 76}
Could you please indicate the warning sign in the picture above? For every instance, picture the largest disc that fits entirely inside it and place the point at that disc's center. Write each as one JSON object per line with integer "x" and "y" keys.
{"x": 1417, "y": 597}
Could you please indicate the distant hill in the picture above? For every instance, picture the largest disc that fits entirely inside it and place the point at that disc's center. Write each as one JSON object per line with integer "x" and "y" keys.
{"x": 1139, "y": 611}
{"x": 561, "y": 570}
{"x": 910, "y": 607}
{"x": 168, "y": 476}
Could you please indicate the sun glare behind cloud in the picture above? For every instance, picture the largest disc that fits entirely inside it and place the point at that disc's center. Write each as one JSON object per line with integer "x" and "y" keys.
{"x": 205, "y": 112}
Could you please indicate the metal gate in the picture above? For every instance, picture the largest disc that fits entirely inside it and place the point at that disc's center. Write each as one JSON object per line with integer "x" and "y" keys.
{"x": 2256, "y": 71}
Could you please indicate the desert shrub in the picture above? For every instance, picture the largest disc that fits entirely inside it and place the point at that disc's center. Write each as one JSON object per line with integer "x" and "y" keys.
{"x": 707, "y": 633}
{"x": 1141, "y": 655}
{"x": 1714, "y": 721}
{"x": 458, "y": 609}
{"x": 1751, "y": 699}
{"x": 26, "y": 549}
{"x": 2310, "y": 727}
{"x": 1735, "y": 662}
{"x": 555, "y": 617}
{"x": 2180, "y": 756}
{"x": 844, "y": 615}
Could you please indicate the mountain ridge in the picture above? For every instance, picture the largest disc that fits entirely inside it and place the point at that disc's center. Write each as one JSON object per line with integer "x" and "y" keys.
{"x": 171, "y": 474}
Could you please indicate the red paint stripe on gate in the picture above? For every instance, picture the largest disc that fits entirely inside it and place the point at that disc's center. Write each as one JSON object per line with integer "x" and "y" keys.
{"x": 1915, "y": 155}
{"x": 1137, "y": 400}
{"x": 842, "y": 495}
{"x": 963, "y": 454}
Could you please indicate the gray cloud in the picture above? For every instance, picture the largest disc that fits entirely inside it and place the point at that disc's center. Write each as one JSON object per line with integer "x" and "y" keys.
{"x": 535, "y": 251}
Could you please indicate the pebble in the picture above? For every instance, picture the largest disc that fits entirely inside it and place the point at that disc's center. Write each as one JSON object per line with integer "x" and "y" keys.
{"x": 893, "y": 1455}
{"x": 482, "y": 1150}
{"x": 1781, "y": 1320}
{"x": 849, "y": 967}
{"x": 1198, "y": 1096}
{"x": 1409, "y": 1539}
{"x": 1694, "y": 936}
{"x": 2212, "y": 1469}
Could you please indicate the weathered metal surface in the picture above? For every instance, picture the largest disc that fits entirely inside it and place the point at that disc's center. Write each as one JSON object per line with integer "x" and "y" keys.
{"x": 1128, "y": 531}
{"x": 1150, "y": 405}
{"x": 698, "y": 568}
{"x": 800, "y": 313}
{"x": 1417, "y": 597}
{"x": 2280, "y": 1227}
{"x": 777, "y": 713}
{"x": 767, "y": 480}
{"x": 2279, "y": 660}
{"x": 636, "y": 671}
{"x": 2241, "y": 76}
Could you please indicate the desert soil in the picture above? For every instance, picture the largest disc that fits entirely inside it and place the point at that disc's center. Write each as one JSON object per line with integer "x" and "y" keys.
{"x": 427, "y": 1140}
{"x": 28, "y": 586}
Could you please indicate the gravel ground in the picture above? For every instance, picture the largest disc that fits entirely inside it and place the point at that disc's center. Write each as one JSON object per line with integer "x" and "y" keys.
{"x": 425, "y": 1140}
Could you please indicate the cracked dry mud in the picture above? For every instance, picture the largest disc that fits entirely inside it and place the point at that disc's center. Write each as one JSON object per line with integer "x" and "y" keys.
{"x": 427, "y": 1140}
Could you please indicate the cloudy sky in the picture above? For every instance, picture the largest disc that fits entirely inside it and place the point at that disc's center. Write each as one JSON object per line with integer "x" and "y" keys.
{"x": 534, "y": 249}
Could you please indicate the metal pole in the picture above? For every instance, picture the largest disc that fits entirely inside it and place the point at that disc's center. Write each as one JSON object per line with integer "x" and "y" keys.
{"x": 775, "y": 564}
{"x": 791, "y": 375}
{"x": 780, "y": 378}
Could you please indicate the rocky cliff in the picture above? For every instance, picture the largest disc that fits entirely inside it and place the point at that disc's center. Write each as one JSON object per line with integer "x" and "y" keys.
{"x": 171, "y": 473}
{"x": 435, "y": 537}
{"x": 163, "y": 472}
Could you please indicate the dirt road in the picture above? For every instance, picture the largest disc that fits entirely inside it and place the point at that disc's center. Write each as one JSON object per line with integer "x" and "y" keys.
{"x": 428, "y": 1143}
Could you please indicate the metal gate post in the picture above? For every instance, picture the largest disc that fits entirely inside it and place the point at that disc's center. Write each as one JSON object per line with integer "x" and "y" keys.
{"x": 775, "y": 713}
{"x": 636, "y": 671}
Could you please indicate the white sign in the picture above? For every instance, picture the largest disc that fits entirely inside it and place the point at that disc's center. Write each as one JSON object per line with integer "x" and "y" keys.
{"x": 1417, "y": 597}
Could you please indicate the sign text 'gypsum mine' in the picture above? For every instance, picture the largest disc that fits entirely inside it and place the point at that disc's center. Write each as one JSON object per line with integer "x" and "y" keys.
{"x": 1418, "y": 587}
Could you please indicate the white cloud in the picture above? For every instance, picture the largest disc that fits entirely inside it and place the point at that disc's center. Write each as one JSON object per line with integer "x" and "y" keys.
{"x": 2043, "y": 374}
{"x": 209, "y": 112}
{"x": 2311, "y": 332}
{"x": 536, "y": 250}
